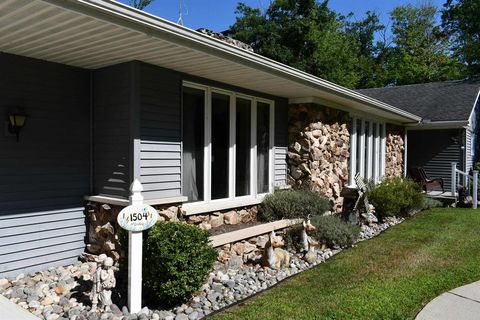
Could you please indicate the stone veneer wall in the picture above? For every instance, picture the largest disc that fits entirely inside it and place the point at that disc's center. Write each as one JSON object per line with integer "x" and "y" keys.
{"x": 318, "y": 153}
{"x": 395, "y": 151}
{"x": 104, "y": 232}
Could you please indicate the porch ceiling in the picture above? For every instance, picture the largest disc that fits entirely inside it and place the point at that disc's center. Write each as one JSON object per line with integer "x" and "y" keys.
{"x": 97, "y": 33}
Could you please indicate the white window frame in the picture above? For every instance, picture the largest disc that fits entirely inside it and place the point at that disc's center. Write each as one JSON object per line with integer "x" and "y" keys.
{"x": 207, "y": 170}
{"x": 372, "y": 149}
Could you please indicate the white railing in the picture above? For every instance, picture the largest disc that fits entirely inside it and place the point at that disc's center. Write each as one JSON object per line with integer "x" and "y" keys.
{"x": 469, "y": 181}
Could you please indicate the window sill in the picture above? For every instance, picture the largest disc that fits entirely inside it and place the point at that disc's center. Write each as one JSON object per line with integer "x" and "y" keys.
{"x": 124, "y": 202}
{"x": 198, "y": 208}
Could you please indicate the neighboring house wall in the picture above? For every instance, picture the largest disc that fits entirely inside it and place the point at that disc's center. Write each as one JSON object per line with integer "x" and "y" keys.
{"x": 113, "y": 94}
{"x": 434, "y": 150}
{"x": 46, "y": 174}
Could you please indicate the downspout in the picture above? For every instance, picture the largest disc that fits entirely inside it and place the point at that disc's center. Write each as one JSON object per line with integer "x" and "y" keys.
{"x": 405, "y": 154}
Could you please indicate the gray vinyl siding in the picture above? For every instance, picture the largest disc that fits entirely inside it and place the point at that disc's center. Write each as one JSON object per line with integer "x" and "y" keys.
{"x": 46, "y": 174}
{"x": 160, "y": 132}
{"x": 281, "y": 142}
{"x": 112, "y": 131}
{"x": 434, "y": 150}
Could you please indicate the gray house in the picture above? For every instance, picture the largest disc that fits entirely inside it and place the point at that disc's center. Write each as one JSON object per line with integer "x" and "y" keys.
{"x": 449, "y": 129}
{"x": 96, "y": 94}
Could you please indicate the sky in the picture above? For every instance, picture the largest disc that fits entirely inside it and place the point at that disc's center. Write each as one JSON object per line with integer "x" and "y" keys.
{"x": 218, "y": 15}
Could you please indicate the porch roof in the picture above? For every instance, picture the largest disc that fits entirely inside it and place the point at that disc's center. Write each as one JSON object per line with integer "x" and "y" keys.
{"x": 97, "y": 33}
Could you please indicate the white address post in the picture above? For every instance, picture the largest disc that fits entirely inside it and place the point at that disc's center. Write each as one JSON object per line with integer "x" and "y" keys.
{"x": 135, "y": 248}
{"x": 136, "y": 218}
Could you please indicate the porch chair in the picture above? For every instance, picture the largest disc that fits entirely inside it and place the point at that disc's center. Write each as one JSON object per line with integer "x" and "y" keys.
{"x": 418, "y": 175}
{"x": 362, "y": 190}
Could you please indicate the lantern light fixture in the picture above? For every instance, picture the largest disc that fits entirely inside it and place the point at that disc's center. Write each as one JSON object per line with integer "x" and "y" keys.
{"x": 16, "y": 121}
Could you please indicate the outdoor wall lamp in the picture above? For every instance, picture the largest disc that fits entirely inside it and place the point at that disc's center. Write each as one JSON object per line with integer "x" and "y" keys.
{"x": 16, "y": 121}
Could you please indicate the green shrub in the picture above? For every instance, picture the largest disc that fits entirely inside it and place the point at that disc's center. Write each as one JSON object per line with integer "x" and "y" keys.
{"x": 291, "y": 204}
{"x": 293, "y": 237}
{"x": 430, "y": 203}
{"x": 334, "y": 232}
{"x": 396, "y": 197}
{"x": 177, "y": 261}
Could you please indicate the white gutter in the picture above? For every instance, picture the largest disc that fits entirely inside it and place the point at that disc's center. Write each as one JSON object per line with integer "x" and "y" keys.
{"x": 439, "y": 125}
{"x": 473, "y": 108}
{"x": 153, "y": 26}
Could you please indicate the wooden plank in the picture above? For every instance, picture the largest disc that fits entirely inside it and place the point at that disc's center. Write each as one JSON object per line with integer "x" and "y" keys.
{"x": 229, "y": 237}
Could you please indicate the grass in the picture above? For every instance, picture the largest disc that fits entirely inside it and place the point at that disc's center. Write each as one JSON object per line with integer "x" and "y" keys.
{"x": 390, "y": 277}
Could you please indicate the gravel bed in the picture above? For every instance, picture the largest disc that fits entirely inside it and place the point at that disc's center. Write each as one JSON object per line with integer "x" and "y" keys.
{"x": 62, "y": 293}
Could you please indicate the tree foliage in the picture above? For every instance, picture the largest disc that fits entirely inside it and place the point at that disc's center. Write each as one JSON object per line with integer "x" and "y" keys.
{"x": 303, "y": 34}
{"x": 461, "y": 20}
{"x": 421, "y": 48}
{"x": 307, "y": 35}
{"x": 140, "y": 4}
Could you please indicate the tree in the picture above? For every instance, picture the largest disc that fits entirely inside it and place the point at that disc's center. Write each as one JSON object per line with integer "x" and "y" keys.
{"x": 304, "y": 34}
{"x": 371, "y": 53}
{"x": 461, "y": 20}
{"x": 140, "y": 4}
{"x": 421, "y": 52}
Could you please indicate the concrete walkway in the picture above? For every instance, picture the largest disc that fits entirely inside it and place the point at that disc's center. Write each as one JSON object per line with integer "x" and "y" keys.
{"x": 458, "y": 304}
{"x": 11, "y": 311}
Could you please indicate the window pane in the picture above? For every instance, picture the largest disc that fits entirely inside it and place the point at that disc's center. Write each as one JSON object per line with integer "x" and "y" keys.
{"x": 263, "y": 146}
{"x": 220, "y": 145}
{"x": 193, "y": 143}
{"x": 243, "y": 137}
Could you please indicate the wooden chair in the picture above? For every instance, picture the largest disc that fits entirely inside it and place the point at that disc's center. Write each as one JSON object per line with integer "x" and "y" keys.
{"x": 418, "y": 175}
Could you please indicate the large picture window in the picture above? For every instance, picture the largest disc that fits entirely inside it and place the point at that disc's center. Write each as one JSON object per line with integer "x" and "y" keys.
{"x": 367, "y": 149}
{"x": 227, "y": 144}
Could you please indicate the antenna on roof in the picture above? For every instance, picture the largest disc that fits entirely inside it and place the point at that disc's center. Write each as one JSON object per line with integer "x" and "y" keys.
{"x": 180, "y": 13}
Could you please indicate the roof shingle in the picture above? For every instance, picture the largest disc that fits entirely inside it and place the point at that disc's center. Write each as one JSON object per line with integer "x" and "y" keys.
{"x": 436, "y": 101}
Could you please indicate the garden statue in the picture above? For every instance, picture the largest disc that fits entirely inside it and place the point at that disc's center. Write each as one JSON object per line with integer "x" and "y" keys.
{"x": 274, "y": 257}
{"x": 304, "y": 238}
{"x": 103, "y": 283}
{"x": 307, "y": 242}
{"x": 369, "y": 215}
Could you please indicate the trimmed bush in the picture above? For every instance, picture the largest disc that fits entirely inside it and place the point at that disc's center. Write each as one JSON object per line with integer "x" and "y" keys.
{"x": 177, "y": 261}
{"x": 293, "y": 237}
{"x": 396, "y": 197}
{"x": 334, "y": 232}
{"x": 291, "y": 204}
{"x": 430, "y": 203}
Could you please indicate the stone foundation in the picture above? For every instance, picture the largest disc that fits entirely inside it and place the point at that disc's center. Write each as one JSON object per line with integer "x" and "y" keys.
{"x": 318, "y": 153}
{"x": 395, "y": 151}
{"x": 104, "y": 232}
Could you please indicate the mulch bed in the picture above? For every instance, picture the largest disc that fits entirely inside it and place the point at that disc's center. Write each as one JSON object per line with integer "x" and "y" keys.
{"x": 232, "y": 227}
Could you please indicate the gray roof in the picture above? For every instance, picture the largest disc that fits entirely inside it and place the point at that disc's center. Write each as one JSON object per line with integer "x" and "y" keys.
{"x": 436, "y": 101}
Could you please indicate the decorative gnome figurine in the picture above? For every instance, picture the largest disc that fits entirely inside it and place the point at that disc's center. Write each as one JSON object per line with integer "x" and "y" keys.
{"x": 307, "y": 242}
{"x": 103, "y": 282}
{"x": 369, "y": 216}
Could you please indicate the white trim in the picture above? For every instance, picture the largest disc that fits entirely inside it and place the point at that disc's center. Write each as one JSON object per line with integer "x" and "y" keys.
{"x": 353, "y": 153}
{"x": 376, "y": 156}
{"x": 438, "y": 125}
{"x": 220, "y": 204}
{"x": 125, "y": 202}
{"x": 369, "y": 150}
{"x": 473, "y": 108}
{"x": 129, "y": 19}
{"x": 362, "y": 149}
{"x": 383, "y": 151}
{"x": 405, "y": 153}
{"x": 207, "y": 168}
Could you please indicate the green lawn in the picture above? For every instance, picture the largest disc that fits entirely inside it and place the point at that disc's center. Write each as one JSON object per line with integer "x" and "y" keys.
{"x": 390, "y": 277}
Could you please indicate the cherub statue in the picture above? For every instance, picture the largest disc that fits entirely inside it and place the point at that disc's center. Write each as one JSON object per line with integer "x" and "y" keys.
{"x": 103, "y": 283}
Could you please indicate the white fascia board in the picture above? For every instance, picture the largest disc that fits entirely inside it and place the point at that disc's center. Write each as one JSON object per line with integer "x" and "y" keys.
{"x": 357, "y": 110}
{"x": 156, "y": 27}
{"x": 439, "y": 125}
{"x": 473, "y": 108}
